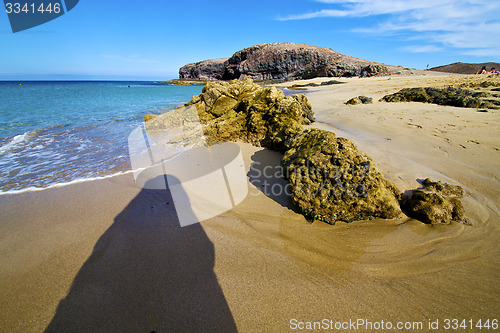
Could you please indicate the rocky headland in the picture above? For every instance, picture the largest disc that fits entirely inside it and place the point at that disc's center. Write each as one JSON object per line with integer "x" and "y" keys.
{"x": 281, "y": 61}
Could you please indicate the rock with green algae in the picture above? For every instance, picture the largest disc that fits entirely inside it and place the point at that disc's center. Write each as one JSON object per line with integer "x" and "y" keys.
{"x": 331, "y": 180}
{"x": 435, "y": 203}
{"x": 447, "y": 96}
{"x": 243, "y": 110}
{"x": 148, "y": 117}
{"x": 359, "y": 100}
{"x": 353, "y": 101}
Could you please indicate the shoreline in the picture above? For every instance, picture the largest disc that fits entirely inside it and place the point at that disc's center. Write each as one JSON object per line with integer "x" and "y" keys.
{"x": 70, "y": 183}
{"x": 88, "y": 253}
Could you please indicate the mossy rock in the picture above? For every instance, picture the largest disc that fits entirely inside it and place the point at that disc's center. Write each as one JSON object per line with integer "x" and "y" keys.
{"x": 435, "y": 203}
{"x": 447, "y": 96}
{"x": 243, "y": 110}
{"x": 148, "y": 117}
{"x": 353, "y": 101}
{"x": 359, "y": 100}
{"x": 333, "y": 181}
{"x": 222, "y": 104}
{"x": 365, "y": 100}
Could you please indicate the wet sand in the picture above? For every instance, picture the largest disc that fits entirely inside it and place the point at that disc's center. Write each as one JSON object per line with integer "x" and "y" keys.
{"x": 106, "y": 256}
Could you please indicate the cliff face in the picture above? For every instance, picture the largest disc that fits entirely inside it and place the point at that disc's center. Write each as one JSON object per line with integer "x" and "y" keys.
{"x": 281, "y": 61}
{"x": 208, "y": 70}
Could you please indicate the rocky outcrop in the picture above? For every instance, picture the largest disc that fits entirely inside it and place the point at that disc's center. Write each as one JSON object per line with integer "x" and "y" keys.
{"x": 333, "y": 181}
{"x": 435, "y": 203}
{"x": 243, "y": 110}
{"x": 448, "y": 96}
{"x": 282, "y": 61}
{"x": 330, "y": 179}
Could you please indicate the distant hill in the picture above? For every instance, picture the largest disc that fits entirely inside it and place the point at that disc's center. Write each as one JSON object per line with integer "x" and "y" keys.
{"x": 281, "y": 61}
{"x": 465, "y": 68}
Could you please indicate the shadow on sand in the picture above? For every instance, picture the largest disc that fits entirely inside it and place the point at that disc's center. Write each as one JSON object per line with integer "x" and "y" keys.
{"x": 268, "y": 176}
{"x": 146, "y": 274}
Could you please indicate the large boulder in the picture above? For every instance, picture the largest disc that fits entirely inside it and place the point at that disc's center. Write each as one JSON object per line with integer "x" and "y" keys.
{"x": 435, "y": 203}
{"x": 282, "y": 61}
{"x": 333, "y": 181}
{"x": 243, "y": 110}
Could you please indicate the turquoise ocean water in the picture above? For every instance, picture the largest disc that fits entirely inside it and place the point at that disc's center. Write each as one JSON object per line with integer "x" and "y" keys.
{"x": 58, "y": 132}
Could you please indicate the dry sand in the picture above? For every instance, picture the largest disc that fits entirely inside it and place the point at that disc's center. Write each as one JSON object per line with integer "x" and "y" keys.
{"x": 105, "y": 256}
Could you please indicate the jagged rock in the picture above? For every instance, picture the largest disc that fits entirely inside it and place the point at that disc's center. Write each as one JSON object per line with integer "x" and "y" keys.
{"x": 333, "y": 181}
{"x": 243, "y": 110}
{"x": 359, "y": 100}
{"x": 353, "y": 101}
{"x": 282, "y": 61}
{"x": 448, "y": 96}
{"x": 365, "y": 100}
{"x": 435, "y": 203}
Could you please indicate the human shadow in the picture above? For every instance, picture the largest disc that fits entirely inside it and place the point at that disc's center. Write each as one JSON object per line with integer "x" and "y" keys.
{"x": 147, "y": 274}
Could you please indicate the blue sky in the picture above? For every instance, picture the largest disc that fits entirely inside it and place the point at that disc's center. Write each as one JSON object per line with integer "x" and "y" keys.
{"x": 111, "y": 39}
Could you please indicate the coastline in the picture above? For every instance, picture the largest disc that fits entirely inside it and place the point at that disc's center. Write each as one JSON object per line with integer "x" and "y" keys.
{"x": 69, "y": 183}
{"x": 52, "y": 134}
{"x": 267, "y": 257}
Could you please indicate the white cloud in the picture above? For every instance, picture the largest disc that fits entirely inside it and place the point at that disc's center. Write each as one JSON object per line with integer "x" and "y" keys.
{"x": 472, "y": 25}
{"x": 361, "y": 8}
{"x": 321, "y": 13}
{"x": 422, "y": 48}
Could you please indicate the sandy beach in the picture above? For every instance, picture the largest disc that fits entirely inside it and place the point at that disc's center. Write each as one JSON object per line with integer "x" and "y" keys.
{"x": 106, "y": 256}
